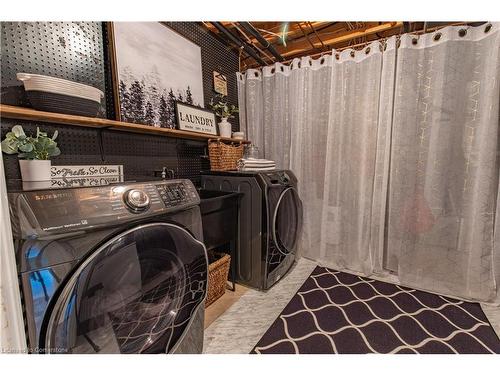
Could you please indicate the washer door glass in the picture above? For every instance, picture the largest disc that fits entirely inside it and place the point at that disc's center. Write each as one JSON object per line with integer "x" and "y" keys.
{"x": 135, "y": 294}
{"x": 287, "y": 221}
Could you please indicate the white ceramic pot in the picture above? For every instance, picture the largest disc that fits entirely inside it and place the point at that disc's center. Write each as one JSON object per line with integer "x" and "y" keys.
{"x": 35, "y": 170}
{"x": 225, "y": 128}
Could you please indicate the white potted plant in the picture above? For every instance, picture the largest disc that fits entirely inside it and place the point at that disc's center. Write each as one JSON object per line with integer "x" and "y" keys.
{"x": 222, "y": 109}
{"x": 34, "y": 152}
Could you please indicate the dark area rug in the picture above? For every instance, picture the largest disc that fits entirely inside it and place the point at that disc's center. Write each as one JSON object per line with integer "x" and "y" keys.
{"x": 336, "y": 312}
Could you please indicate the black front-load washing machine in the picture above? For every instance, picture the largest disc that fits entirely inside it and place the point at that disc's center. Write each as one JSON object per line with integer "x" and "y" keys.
{"x": 119, "y": 268}
{"x": 270, "y": 222}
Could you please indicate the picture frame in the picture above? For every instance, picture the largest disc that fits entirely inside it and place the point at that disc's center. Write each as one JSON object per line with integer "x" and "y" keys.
{"x": 146, "y": 88}
{"x": 195, "y": 119}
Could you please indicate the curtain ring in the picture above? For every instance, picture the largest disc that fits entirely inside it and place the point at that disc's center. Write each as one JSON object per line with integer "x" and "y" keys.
{"x": 367, "y": 50}
{"x": 322, "y": 60}
{"x": 437, "y": 37}
{"x": 352, "y": 54}
{"x": 282, "y": 69}
{"x": 462, "y": 32}
{"x": 310, "y": 63}
{"x": 273, "y": 70}
{"x": 337, "y": 56}
{"x": 414, "y": 41}
{"x": 256, "y": 74}
{"x": 488, "y": 28}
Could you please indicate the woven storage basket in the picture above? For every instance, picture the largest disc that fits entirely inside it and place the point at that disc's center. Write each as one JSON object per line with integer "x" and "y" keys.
{"x": 224, "y": 157}
{"x": 218, "y": 269}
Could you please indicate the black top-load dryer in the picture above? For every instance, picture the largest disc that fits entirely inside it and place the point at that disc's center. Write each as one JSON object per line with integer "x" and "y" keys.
{"x": 270, "y": 222}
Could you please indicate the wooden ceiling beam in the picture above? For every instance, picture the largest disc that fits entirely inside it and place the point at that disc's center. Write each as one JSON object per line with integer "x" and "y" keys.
{"x": 302, "y": 46}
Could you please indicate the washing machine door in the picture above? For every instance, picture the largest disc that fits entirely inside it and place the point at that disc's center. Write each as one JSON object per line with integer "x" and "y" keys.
{"x": 287, "y": 221}
{"x": 137, "y": 293}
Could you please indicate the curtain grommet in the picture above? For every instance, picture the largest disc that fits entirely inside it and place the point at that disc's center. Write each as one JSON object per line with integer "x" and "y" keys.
{"x": 282, "y": 69}
{"x": 437, "y": 36}
{"x": 414, "y": 41}
{"x": 273, "y": 70}
{"x": 256, "y": 74}
{"x": 322, "y": 60}
{"x": 367, "y": 50}
{"x": 337, "y": 56}
{"x": 462, "y": 32}
{"x": 488, "y": 28}
{"x": 299, "y": 64}
{"x": 353, "y": 54}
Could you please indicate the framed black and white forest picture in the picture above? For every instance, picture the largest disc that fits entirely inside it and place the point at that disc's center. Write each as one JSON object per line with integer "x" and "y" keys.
{"x": 154, "y": 67}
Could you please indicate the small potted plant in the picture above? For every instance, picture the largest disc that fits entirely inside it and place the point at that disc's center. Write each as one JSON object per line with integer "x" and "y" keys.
{"x": 34, "y": 152}
{"x": 222, "y": 109}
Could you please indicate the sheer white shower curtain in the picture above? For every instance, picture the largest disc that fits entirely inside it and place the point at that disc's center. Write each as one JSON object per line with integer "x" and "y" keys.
{"x": 443, "y": 178}
{"x": 286, "y": 111}
{"x": 351, "y": 154}
{"x": 396, "y": 153}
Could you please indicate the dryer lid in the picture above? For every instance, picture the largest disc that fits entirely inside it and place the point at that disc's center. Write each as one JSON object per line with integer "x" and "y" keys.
{"x": 135, "y": 294}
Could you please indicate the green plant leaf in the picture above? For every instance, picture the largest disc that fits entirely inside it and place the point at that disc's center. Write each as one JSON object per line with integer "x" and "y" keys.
{"x": 55, "y": 152}
{"x": 8, "y": 146}
{"x": 17, "y": 130}
{"x": 26, "y": 147}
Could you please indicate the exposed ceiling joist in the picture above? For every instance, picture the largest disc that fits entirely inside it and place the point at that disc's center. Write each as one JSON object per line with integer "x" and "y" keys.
{"x": 264, "y": 43}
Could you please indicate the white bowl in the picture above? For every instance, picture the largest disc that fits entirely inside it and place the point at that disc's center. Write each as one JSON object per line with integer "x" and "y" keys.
{"x": 238, "y": 135}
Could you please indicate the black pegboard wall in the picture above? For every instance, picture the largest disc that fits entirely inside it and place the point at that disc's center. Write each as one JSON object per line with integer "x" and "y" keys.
{"x": 140, "y": 154}
{"x": 215, "y": 56}
{"x": 68, "y": 50}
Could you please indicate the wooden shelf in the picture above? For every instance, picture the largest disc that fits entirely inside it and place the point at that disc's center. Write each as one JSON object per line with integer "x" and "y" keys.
{"x": 21, "y": 113}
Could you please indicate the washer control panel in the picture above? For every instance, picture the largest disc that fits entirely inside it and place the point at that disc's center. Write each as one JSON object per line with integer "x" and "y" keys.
{"x": 43, "y": 212}
{"x": 175, "y": 194}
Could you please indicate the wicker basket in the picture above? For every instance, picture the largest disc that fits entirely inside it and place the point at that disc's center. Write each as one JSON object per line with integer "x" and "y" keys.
{"x": 218, "y": 270}
{"x": 224, "y": 157}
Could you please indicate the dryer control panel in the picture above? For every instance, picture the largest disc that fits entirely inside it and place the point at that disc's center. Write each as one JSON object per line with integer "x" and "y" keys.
{"x": 47, "y": 212}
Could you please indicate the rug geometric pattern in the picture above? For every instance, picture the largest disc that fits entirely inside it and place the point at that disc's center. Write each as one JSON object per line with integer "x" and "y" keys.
{"x": 337, "y": 312}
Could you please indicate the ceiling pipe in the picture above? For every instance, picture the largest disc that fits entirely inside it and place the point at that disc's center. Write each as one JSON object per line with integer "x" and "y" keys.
{"x": 248, "y": 27}
{"x": 233, "y": 38}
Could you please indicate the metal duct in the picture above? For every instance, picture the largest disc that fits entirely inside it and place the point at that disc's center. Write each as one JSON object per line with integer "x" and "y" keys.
{"x": 248, "y": 27}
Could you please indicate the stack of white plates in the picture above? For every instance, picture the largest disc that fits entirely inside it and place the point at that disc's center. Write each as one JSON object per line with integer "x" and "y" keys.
{"x": 60, "y": 95}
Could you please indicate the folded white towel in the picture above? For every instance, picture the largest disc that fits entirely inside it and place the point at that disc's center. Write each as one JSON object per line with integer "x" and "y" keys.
{"x": 251, "y": 165}
{"x": 257, "y": 161}
{"x": 251, "y": 169}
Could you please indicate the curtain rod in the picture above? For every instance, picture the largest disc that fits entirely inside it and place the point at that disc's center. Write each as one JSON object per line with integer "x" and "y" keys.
{"x": 363, "y": 44}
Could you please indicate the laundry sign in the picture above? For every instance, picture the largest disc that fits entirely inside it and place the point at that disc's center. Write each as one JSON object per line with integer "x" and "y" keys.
{"x": 64, "y": 171}
{"x": 195, "y": 119}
